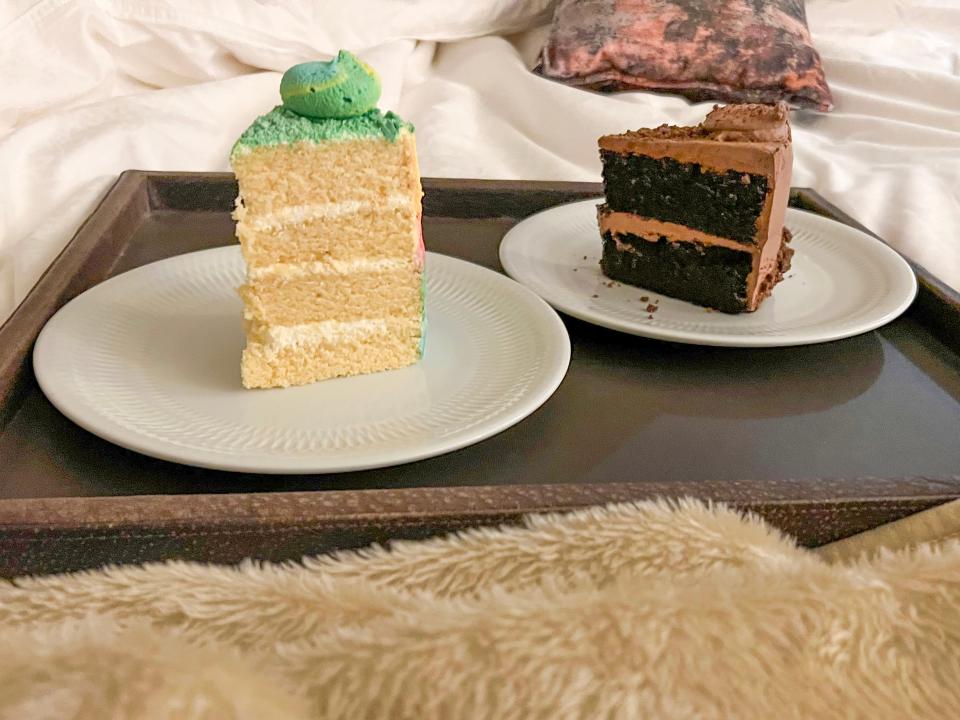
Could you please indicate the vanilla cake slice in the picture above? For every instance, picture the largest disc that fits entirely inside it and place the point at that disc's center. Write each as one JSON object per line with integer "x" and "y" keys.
{"x": 328, "y": 219}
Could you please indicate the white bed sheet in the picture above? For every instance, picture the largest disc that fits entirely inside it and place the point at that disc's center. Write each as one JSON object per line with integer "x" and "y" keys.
{"x": 89, "y": 88}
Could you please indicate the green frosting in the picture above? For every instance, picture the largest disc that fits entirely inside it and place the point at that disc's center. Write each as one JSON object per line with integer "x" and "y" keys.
{"x": 282, "y": 126}
{"x": 343, "y": 87}
{"x": 325, "y": 101}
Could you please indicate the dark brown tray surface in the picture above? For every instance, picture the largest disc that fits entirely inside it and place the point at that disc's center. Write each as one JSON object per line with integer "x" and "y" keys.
{"x": 828, "y": 439}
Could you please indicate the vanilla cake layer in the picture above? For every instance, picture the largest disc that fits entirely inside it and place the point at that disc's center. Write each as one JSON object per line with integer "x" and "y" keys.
{"x": 376, "y": 230}
{"x": 276, "y": 177}
{"x": 353, "y": 296}
{"x": 295, "y": 355}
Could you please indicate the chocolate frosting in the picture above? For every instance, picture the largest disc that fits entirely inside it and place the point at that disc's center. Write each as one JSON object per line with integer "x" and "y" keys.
{"x": 746, "y": 138}
{"x": 748, "y": 123}
{"x": 622, "y": 223}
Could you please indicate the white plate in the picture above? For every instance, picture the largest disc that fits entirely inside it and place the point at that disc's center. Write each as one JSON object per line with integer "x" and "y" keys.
{"x": 150, "y": 360}
{"x": 842, "y": 283}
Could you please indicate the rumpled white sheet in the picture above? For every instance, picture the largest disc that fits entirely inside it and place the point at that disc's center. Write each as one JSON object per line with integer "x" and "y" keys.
{"x": 89, "y": 88}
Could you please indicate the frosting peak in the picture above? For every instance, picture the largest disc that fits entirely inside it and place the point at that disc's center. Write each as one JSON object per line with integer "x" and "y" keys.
{"x": 750, "y": 122}
{"x": 341, "y": 88}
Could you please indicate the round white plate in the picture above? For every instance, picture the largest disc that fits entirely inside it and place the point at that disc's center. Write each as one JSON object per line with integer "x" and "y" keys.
{"x": 150, "y": 360}
{"x": 842, "y": 283}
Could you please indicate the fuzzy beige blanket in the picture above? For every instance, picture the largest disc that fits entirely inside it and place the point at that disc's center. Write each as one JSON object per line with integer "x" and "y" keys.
{"x": 634, "y": 611}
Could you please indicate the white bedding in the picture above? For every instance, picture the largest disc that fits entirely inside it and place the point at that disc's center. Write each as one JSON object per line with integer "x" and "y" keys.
{"x": 89, "y": 88}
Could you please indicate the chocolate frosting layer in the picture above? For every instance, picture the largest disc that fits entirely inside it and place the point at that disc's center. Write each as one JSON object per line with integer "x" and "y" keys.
{"x": 747, "y": 138}
{"x": 622, "y": 223}
{"x": 748, "y": 123}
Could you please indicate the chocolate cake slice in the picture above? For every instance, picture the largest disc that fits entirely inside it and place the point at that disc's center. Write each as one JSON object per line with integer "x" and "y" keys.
{"x": 697, "y": 213}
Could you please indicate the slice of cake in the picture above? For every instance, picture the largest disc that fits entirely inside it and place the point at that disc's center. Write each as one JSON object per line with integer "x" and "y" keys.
{"x": 697, "y": 213}
{"x": 328, "y": 219}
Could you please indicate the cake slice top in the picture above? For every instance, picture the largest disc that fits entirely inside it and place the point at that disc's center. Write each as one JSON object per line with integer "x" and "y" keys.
{"x": 325, "y": 102}
{"x": 282, "y": 126}
{"x": 748, "y": 123}
{"x": 729, "y": 123}
{"x": 747, "y": 138}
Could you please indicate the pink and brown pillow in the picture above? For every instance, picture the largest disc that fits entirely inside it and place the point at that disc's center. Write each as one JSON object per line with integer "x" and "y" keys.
{"x": 756, "y": 51}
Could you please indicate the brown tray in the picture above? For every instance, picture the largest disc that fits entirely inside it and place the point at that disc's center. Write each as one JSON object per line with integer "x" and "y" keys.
{"x": 824, "y": 441}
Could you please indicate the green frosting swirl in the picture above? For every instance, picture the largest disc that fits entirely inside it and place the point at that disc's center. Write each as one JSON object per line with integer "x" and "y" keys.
{"x": 341, "y": 88}
{"x": 323, "y": 102}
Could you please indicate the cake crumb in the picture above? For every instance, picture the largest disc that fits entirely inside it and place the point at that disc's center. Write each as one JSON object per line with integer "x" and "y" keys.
{"x": 574, "y": 269}
{"x": 644, "y": 298}
{"x": 584, "y": 257}
{"x": 651, "y": 308}
{"x": 596, "y": 296}
{"x": 649, "y": 317}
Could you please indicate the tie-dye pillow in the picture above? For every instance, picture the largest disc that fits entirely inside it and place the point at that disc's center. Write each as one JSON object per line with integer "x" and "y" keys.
{"x": 728, "y": 50}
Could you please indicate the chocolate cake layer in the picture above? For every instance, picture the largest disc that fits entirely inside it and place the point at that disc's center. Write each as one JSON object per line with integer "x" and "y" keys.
{"x": 712, "y": 276}
{"x": 726, "y": 204}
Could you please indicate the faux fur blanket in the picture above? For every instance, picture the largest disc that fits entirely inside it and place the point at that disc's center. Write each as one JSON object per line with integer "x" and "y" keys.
{"x": 632, "y": 611}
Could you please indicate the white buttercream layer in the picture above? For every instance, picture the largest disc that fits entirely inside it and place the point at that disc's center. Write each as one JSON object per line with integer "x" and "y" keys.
{"x": 297, "y": 214}
{"x": 278, "y": 337}
{"x": 326, "y": 267}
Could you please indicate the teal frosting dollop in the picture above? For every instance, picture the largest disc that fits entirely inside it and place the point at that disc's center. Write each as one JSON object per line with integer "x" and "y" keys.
{"x": 341, "y": 88}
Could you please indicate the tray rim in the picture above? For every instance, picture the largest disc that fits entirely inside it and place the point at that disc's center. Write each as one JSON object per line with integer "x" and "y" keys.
{"x": 396, "y": 511}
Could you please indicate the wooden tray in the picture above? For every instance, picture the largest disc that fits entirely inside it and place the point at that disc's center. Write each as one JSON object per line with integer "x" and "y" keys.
{"x": 824, "y": 441}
